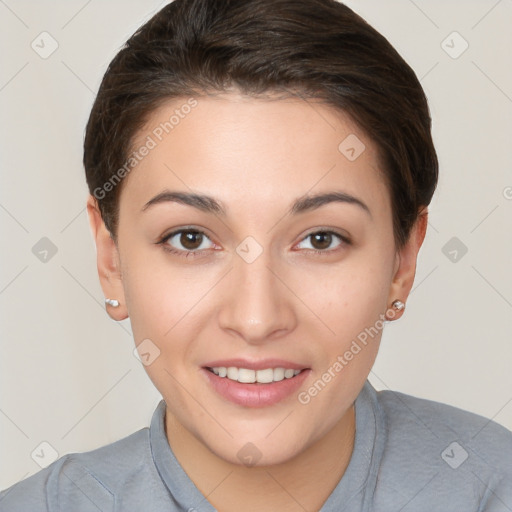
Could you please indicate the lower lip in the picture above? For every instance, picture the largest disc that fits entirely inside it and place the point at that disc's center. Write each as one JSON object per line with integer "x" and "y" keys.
{"x": 255, "y": 395}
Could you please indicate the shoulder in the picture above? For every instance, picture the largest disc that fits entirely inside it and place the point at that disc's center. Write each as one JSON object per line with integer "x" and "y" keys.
{"x": 445, "y": 451}
{"x": 87, "y": 478}
{"x": 434, "y": 422}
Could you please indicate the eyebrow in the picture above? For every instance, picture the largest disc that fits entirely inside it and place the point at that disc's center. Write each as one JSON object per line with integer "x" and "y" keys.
{"x": 208, "y": 204}
{"x": 312, "y": 202}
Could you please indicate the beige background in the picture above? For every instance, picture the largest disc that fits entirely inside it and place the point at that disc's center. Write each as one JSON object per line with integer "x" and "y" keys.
{"x": 68, "y": 376}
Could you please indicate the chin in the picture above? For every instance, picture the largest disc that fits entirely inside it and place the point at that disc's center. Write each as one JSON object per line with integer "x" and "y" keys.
{"x": 258, "y": 452}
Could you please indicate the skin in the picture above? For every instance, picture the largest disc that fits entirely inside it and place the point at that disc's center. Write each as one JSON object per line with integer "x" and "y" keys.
{"x": 256, "y": 157}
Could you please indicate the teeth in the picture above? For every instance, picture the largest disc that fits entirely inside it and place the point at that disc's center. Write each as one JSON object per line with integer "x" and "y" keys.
{"x": 250, "y": 376}
{"x": 278, "y": 374}
{"x": 265, "y": 376}
{"x": 288, "y": 374}
{"x": 232, "y": 373}
{"x": 246, "y": 376}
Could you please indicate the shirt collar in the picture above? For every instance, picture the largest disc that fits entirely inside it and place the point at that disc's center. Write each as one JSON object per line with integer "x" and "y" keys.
{"x": 182, "y": 490}
{"x": 356, "y": 486}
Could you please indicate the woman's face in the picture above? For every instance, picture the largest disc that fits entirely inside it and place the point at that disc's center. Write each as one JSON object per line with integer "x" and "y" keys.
{"x": 285, "y": 260}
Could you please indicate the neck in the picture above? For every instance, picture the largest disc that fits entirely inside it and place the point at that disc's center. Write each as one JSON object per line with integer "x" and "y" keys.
{"x": 302, "y": 483}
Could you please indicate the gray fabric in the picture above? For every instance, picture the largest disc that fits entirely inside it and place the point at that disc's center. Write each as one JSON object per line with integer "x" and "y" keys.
{"x": 409, "y": 456}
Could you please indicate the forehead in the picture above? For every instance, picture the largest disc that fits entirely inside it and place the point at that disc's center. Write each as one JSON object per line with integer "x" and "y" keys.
{"x": 250, "y": 149}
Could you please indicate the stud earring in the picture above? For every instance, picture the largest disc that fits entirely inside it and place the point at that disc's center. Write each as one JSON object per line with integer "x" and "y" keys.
{"x": 112, "y": 302}
{"x": 398, "y": 305}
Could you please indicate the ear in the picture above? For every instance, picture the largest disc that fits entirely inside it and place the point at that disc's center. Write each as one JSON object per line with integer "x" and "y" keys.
{"x": 109, "y": 270}
{"x": 405, "y": 263}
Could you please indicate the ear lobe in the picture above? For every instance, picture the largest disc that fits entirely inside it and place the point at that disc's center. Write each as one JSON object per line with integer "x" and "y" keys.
{"x": 108, "y": 263}
{"x": 405, "y": 267}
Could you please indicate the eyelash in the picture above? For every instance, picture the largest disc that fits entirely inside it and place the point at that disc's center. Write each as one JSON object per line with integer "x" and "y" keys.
{"x": 180, "y": 253}
{"x": 185, "y": 254}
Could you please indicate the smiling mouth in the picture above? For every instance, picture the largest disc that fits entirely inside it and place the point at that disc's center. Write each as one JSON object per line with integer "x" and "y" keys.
{"x": 248, "y": 376}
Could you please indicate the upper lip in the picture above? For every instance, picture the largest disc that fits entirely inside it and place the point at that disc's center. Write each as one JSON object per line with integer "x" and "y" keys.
{"x": 260, "y": 364}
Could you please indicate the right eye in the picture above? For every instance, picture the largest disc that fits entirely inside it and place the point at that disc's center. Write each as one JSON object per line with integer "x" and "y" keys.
{"x": 185, "y": 242}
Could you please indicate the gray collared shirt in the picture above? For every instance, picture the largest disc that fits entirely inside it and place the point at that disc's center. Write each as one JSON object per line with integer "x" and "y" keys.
{"x": 410, "y": 455}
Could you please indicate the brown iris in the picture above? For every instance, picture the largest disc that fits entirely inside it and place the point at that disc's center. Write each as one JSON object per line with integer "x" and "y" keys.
{"x": 321, "y": 240}
{"x": 191, "y": 239}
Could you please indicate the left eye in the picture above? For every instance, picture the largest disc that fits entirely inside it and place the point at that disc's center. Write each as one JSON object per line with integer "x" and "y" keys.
{"x": 322, "y": 240}
{"x": 189, "y": 239}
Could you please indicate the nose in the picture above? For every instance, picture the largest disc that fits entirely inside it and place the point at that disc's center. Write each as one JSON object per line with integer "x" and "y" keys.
{"x": 258, "y": 305}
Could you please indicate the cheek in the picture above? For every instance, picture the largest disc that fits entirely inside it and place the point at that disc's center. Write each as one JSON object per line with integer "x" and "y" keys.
{"x": 351, "y": 307}
{"x": 165, "y": 308}
{"x": 167, "y": 303}
{"x": 150, "y": 295}
{"x": 351, "y": 302}
{"x": 347, "y": 298}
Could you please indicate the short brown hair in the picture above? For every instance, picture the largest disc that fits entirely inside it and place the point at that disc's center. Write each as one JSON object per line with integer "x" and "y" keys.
{"x": 309, "y": 48}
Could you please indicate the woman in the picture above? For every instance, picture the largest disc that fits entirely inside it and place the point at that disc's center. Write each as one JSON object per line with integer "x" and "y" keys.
{"x": 260, "y": 174}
